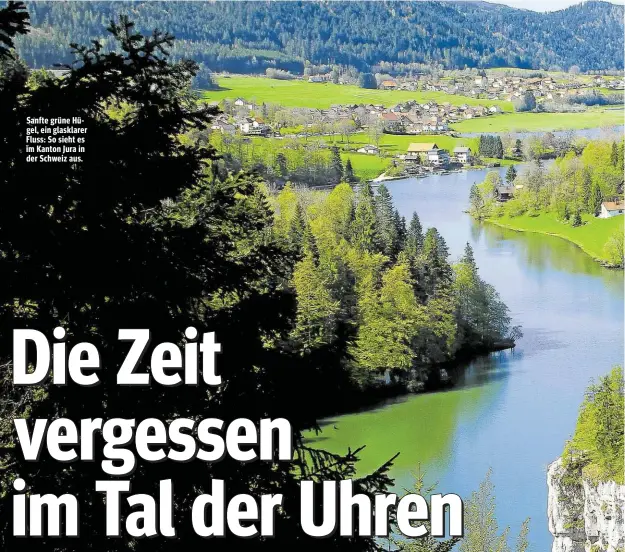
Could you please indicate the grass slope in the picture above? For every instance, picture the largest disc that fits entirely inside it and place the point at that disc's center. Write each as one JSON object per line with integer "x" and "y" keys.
{"x": 299, "y": 93}
{"x": 520, "y": 122}
{"x": 590, "y": 237}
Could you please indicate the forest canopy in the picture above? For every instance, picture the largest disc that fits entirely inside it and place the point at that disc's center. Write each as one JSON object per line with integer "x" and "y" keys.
{"x": 250, "y": 37}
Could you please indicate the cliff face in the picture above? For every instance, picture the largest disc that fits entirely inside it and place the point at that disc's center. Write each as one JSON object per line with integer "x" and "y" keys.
{"x": 586, "y": 518}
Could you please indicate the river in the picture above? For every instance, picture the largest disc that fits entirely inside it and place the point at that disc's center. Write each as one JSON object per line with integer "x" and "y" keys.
{"x": 512, "y": 411}
{"x": 608, "y": 133}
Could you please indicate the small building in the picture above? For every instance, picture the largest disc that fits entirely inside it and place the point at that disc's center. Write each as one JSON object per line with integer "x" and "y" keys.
{"x": 369, "y": 150}
{"x": 504, "y": 193}
{"x": 388, "y": 85}
{"x": 463, "y": 155}
{"x": 239, "y": 102}
{"x": 316, "y": 78}
{"x": 438, "y": 157}
{"x": 612, "y": 208}
{"x": 254, "y": 127}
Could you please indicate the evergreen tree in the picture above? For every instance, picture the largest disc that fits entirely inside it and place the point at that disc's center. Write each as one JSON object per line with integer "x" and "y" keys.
{"x": 480, "y": 522}
{"x": 577, "y": 219}
{"x": 316, "y": 310}
{"x": 596, "y": 199}
{"x": 401, "y": 234}
{"x": 390, "y": 319}
{"x": 297, "y": 229}
{"x": 281, "y": 164}
{"x": 414, "y": 241}
{"x": 309, "y": 244}
{"x": 364, "y": 228}
{"x": 511, "y": 175}
{"x": 336, "y": 164}
{"x": 349, "y": 172}
{"x": 425, "y": 543}
{"x": 614, "y": 155}
{"x": 498, "y": 148}
{"x": 367, "y": 80}
{"x": 386, "y": 228}
{"x": 438, "y": 272}
{"x": 587, "y": 191}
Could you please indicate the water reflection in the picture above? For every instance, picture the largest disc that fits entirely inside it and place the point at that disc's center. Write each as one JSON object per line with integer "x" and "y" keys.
{"x": 511, "y": 411}
{"x": 543, "y": 253}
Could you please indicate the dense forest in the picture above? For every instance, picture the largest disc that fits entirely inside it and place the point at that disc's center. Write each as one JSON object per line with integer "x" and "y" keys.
{"x": 250, "y": 37}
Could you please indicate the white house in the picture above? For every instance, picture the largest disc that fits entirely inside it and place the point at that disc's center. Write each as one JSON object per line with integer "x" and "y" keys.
{"x": 438, "y": 157}
{"x": 463, "y": 155}
{"x": 612, "y": 208}
{"x": 239, "y": 102}
{"x": 254, "y": 127}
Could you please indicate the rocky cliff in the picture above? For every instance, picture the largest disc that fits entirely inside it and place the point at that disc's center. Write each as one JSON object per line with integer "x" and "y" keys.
{"x": 586, "y": 517}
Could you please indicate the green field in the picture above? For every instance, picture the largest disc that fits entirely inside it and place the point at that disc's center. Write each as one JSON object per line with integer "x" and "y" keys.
{"x": 590, "y": 237}
{"x": 392, "y": 144}
{"x": 299, "y": 93}
{"x": 536, "y": 122}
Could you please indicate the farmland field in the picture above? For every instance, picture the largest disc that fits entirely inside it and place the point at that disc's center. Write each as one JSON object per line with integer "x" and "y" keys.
{"x": 299, "y": 93}
{"x": 536, "y": 122}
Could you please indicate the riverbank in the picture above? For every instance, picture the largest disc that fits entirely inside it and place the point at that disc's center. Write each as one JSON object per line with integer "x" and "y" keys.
{"x": 591, "y": 237}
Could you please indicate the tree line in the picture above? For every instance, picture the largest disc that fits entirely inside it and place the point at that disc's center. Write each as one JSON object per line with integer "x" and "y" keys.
{"x": 250, "y": 37}
{"x": 388, "y": 285}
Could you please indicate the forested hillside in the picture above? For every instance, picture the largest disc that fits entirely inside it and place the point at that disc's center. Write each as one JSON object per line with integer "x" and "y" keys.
{"x": 249, "y": 37}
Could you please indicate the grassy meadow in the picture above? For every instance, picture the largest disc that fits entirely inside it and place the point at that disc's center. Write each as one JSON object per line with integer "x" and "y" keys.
{"x": 300, "y": 93}
{"x": 542, "y": 122}
{"x": 590, "y": 237}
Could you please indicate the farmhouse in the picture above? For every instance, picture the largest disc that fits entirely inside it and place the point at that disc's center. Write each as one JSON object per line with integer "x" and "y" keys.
{"x": 388, "y": 85}
{"x": 612, "y": 208}
{"x": 421, "y": 148}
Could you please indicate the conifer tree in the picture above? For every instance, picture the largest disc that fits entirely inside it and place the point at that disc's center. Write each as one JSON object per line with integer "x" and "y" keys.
{"x": 386, "y": 228}
{"x": 511, "y": 174}
{"x": 316, "y": 310}
{"x": 336, "y": 165}
{"x": 297, "y": 229}
{"x": 596, "y": 200}
{"x": 614, "y": 155}
{"x": 364, "y": 228}
{"x": 414, "y": 240}
{"x": 349, "y": 172}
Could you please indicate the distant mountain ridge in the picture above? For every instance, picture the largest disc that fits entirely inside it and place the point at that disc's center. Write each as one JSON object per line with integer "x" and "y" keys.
{"x": 248, "y": 37}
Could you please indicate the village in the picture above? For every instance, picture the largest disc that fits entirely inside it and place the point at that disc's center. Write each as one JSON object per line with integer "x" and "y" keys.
{"x": 411, "y": 117}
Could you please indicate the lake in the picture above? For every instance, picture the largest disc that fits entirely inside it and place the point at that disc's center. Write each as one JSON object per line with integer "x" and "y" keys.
{"x": 512, "y": 411}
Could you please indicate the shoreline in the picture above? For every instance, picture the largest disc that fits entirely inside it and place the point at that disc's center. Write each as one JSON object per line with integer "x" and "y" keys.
{"x": 599, "y": 260}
